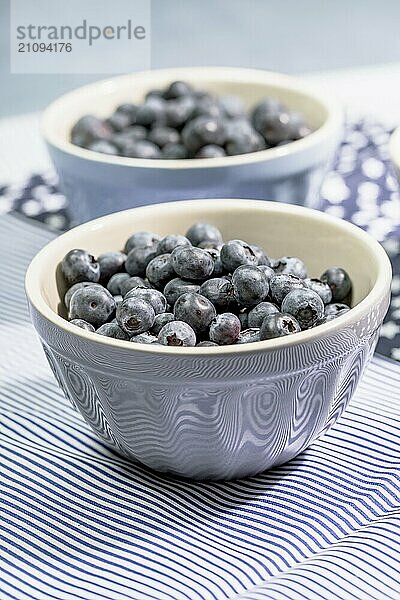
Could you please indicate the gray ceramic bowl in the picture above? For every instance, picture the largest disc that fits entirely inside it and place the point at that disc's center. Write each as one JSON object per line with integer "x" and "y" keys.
{"x": 97, "y": 184}
{"x": 220, "y": 412}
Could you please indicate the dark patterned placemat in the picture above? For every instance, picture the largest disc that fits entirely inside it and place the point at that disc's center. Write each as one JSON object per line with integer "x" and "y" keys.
{"x": 360, "y": 188}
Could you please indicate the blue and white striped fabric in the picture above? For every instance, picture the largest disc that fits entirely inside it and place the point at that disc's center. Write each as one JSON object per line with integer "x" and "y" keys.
{"x": 80, "y": 522}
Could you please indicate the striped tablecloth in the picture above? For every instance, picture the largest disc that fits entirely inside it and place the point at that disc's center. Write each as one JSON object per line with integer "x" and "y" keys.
{"x": 80, "y": 522}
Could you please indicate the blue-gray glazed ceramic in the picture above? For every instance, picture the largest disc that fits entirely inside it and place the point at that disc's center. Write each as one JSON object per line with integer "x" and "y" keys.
{"x": 98, "y": 184}
{"x": 217, "y": 412}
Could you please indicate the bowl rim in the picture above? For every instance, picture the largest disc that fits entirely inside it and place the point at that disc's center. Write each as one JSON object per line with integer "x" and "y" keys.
{"x": 232, "y": 74}
{"x": 382, "y": 283}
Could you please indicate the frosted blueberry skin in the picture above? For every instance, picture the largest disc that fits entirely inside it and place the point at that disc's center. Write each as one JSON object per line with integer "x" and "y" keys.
{"x": 112, "y": 330}
{"x": 161, "y": 320}
{"x": 115, "y": 282}
{"x": 132, "y": 282}
{"x": 236, "y": 253}
{"x": 93, "y": 304}
{"x": 278, "y": 325}
{"x": 110, "y": 263}
{"x": 196, "y": 310}
{"x": 90, "y": 129}
{"x": 206, "y": 344}
{"x": 141, "y": 239}
{"x": 170, "y": 242}
{"x": 220, "y": 292}
{"x": 82, "y": 324}
{"x": 144, "y": 338}
{"x": 135, "y": 315}
{"x": 248, "y": 336}
{"x": 257, "y": 314}
{"x": 225, "y": 329}
{"x": 321, "y": 288}
{"x": 339, "y": 282}
{"x": 305, "y": 305}
{"x": 203, "y": 232}
{"x": 138, "y": 259}
{"x": 160, "y": 270}
{"x": 154, "y": 297}
{"x": 70, "y": 292}
{"x": 289, "y": 265}
{"x": 176, "y": 287}
{"x": 281, "y": 285}
{"x": 336, "y": 307}
{"x": 202, "y": 131}
{"x": 177, "y": 333}
{"x": 78, "y": 266}
{"x": 250, "y": 285}
{"x": 192, "y": 263}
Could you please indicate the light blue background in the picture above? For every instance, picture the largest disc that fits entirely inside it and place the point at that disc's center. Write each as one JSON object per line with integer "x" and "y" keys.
{"x": 285, "y": 35}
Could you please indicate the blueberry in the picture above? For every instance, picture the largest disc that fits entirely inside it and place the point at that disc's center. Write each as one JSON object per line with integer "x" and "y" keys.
{"x": 218, "y": 269}
{"x": 206, "y": 106}
{"x": 177, "y": 333}
{"x": 170, "y": 242}
{"x": 112, "y": 330}
{"x": 191, "y": 262}
{"x": 250, "y": 285}
{"x": 232, "y": 107}
{"x": 118, "y": 299}
{"x": 305, "y": 305}
{"x": 210, "y": 151}
{"x": 141, "y": 239}
{"x": 132, "y": 282}
{"x": 201, "y": 131}
{"x": 203, "y": 232}
{"x": 330, "y": 317}
{"x": 335, "y": 308}
{"x": 161, "y": 320}
{"x": 210, "y": 245}
{"x": 268, "y": 106}
{"x": 236, "y": 253}
{"x": 115, "y": 282}
{"x": 144, "y": 338}
{"x": 278, "y": 325}
{"x": 151, "y": 112}
{"x": 110, "y": 264}
{"x": 275, "y": 128}
{"x": 248, "y": 336}
{"x": 281, "y": 285}
{"x": 135, "y": 315}
{"x": 141, "y": 149}
{"x": 298, "y": 127}
{"x": 154, "y": 94}
{"x": 155, "y": 298}
{"x": 161, "y": 136}
{"x": 196, "y": 310}
{"x": 219, "y": 291}
{"x": 290, "y": 265}
{"x": 268, "y": 271}
{"x": 174, "y": 152}
{"x": 89, "y": 129}
{"x": 259, "y": 312}
{"x": 93, "y": 304}
{"x": 206, "y": 344}
{"x": 160, "y": 270}
{"x": 339, "y": 282}
{"x": 244, "y": 318}
{"x": 321, "y": 288}
{"x": 262, "y": 258}
{"x": 69, "y": 293}
{"x": 82, "y": 324}
{"x": 104, "y": 147}
{"x": 119, "y": 120}
{"x": 126, "y": 138}
{"x": 176, "y": 287}
{"x": 178, "y": 111}
{"x": 79, "y": 265}
{"x": 128, "y": 109}
{"x": 177, "y": 89}
{"x": 244, "y": 141}
{"x": 138, "y": 259}
{"x": 225, "y": 329}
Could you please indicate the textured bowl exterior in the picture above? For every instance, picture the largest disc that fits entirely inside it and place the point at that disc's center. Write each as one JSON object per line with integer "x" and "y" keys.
{"x": 212, "y": 417}
{"x": 98, "y": 184}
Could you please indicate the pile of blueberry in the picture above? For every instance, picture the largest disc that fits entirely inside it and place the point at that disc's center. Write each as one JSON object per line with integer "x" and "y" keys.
{"x": 196, "y": 290}
{"x": 180, "y": 122}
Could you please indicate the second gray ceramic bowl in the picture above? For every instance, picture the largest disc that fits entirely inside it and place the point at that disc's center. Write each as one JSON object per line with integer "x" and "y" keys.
{"x": 220, "y": 412}
{"x": 97, "y": 184}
